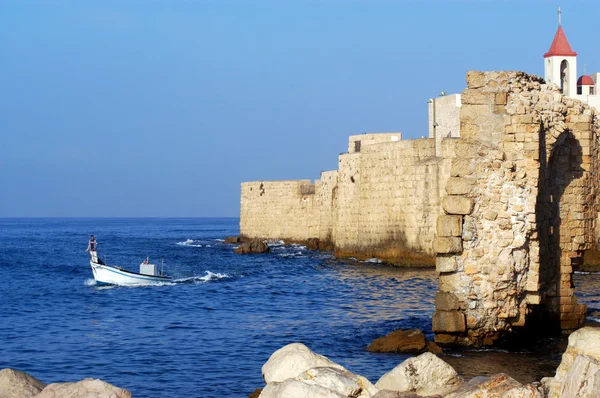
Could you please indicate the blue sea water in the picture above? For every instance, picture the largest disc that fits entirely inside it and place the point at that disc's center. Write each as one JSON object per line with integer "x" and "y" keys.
{"x": 207, "y": 333}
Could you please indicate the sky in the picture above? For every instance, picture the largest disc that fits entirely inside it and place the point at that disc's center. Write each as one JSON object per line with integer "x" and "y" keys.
{"x": 125, "y": 108}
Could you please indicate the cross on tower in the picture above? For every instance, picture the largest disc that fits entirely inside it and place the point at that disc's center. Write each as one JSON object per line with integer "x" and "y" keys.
{"x": 559, "y": 13}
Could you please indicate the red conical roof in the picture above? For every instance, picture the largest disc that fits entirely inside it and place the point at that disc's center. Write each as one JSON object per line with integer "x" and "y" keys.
{"x": 560, "y": 45}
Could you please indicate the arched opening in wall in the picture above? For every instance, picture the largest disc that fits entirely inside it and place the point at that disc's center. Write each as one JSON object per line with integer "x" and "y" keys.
{"x": 561, "y": 197}
{"x": 564, "y": 76}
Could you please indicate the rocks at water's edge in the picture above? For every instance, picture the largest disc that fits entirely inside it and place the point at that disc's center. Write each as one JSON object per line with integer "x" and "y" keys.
{"x": 296, "y": 371}
{"x": 252, "y": 247}
{"x": 17, "y": 384}
{"x": 411, "y": 341}
{"x": 233, "y": 239}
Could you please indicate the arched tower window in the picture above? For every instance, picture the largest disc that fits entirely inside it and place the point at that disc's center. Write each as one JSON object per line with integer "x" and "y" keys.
{"x": 564, "y": 77}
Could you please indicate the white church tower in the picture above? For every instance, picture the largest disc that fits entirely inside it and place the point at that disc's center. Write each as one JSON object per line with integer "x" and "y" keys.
{"x": 560, "y": 63}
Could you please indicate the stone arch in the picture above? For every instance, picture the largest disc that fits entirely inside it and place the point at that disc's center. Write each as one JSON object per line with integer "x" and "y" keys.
{"x": 520, "y": 209}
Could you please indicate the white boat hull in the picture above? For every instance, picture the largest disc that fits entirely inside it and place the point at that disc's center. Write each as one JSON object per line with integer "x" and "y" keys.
{"x": 118, "y": 276}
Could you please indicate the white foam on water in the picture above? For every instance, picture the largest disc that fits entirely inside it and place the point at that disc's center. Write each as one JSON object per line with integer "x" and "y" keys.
{"x": 372, "y": 260}
{"x": 190, "y": 243}
{"x": 275, "y": 243}
{"x": 220, "y": 240}
{"x": 201, "y": 279}
{"x": 298, "y": 246}
{"x": 90, "y": 282}
{"x": 297, "y": 254}
{"x": 587, "y": 272}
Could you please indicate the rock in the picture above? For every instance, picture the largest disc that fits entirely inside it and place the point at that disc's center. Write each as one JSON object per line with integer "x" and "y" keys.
{"x": 448, "y": 321}
{"x": 289, "y": 361}
{"x": 255, "y": 393}
{"x": 581, "y": 342}
{"x": 422, "y": 375}
{"x": 312, "y": 243}
{"x": 83, "y": 389}
{"x": 292, "y": 388}
{"x": 254, "y": 246}
{"x": 340, "y": 381}
{"x": 409, "y": 341}
{"x": 583, "y": 379}
{"x": 496, "y": 386}
{"x": 398, "y": 394}
{"x": 17, "y": 384}
{"x": 233, "y": 239}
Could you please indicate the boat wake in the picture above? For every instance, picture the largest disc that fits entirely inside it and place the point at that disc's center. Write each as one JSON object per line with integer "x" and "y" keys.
{"x": 210, "y": 276}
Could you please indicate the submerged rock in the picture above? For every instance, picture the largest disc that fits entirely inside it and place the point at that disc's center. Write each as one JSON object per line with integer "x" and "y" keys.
{"x": 83, "y": 389}
{"x": 422, "y": 375}
{"x": 17, "y": 384}
{"x": 291, "y": 360}
{"x": 407, "y": 341}
{"x": 254, "y": 246}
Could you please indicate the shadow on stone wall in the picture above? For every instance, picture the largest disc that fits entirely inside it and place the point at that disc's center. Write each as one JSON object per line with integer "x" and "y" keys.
{"x": 556, "y": 173}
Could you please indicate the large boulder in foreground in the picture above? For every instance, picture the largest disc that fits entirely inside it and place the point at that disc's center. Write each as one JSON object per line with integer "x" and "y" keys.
{"x": 17, "y": 384}
{"x": 83, "y": 389}
{"x": 252, "y": 247}
{"x": 578, "y": 374}
{"x": 292, "y": 388}
{"x": 291, "y": 360}
{"x": 411, "y": 341}
{"x": 321, "y": 382}
{"x": 422, "y": 375}
{"x": 496, "y": 386}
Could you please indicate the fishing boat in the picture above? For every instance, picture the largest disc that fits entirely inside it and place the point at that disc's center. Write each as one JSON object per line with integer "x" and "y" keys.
{"x": 113, "y": 275}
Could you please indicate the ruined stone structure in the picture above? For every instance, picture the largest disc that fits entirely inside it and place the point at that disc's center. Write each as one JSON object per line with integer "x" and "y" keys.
{"x": 521, "y": 207}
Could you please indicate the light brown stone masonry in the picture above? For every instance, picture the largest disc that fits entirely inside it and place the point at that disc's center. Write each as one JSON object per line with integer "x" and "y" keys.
{"x": 382, "y": 202}
{"x": 524, "y": 183}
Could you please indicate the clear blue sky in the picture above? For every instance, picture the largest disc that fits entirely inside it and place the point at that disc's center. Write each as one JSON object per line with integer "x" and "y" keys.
{"x": 162, "y": 108}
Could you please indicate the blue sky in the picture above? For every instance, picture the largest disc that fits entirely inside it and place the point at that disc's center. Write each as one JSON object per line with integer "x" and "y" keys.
{"x": 162, "y": 108}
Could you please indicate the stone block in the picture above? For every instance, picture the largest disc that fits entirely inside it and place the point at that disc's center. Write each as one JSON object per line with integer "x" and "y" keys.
{"x": 449, "y": 322}
{"x": 447, "y": 245}
{"x": 449, "y": 225}
{"x": 456, "y": 204}
{"x": 475, "y": 79}
{"x": 477, "y": 97}
{"x": 462, "y": 167}
{"x": 445, "y": 264}
{"x": 446, "y": 301}
{"x": 459, "y": 185}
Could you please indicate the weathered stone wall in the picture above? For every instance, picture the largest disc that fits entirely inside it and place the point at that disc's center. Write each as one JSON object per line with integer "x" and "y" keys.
{"x": 389, "y": 200}
{"x": 356, "y": 142}
{"x": 280, "y": 210}
{"x": 520, "y": 209}
{"x": 382, "y": 202}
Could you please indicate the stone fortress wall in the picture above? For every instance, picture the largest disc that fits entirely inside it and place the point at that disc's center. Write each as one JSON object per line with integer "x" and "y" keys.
{"x": 383, "y": 201}
{"x": 508, "y": 209}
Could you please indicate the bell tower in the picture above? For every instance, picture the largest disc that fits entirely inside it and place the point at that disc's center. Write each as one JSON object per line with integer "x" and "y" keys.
{"x": 560, "y": 63}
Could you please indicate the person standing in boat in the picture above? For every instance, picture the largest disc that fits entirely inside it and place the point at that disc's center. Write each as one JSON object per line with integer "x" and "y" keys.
{"x": 92, "y": 244}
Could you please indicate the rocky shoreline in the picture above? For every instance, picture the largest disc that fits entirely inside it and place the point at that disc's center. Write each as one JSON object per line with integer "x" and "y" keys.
{"x": 296, "y": 371}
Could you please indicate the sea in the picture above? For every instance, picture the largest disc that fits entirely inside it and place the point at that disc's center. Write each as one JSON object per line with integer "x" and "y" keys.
{"x": 208, "y": 332}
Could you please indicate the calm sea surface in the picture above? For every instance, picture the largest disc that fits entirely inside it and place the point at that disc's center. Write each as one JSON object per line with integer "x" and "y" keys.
{"x": 207, "y": 333}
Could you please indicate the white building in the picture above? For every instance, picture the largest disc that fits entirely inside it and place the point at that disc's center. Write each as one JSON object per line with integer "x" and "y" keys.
{"x": 560, "y": 68}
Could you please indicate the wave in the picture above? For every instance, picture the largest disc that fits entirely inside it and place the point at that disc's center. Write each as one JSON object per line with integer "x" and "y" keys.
{"x": 297, "y": 254}
{"x": 90, "y": 282}
{"x": 275, "y": 243}
{"x": 191, "y": 243}
{"x": 587, "y": 272}
{"x": 210, "y": 276}
{"x": 372, "y": 260}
